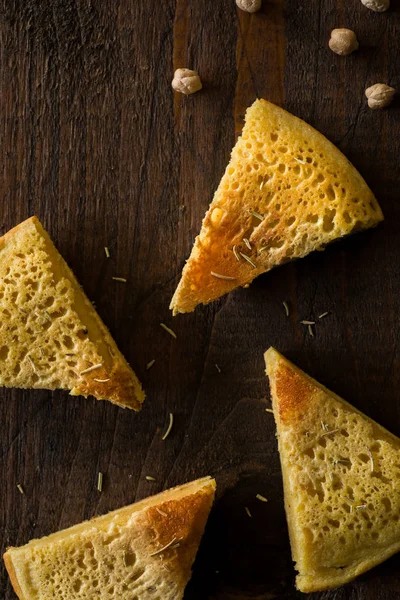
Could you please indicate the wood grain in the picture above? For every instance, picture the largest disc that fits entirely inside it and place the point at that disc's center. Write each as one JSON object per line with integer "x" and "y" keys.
{"x": 97, "y": 145}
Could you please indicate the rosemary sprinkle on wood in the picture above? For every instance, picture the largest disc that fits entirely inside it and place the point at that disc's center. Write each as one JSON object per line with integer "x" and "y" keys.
{"x": 286, "y": 307}
{"x": 100, "y": 481}
{"x": 107, "y": 252}
{"x": 310, "y": 331}
{"x": 171, "y": 422}
{"x": 20, "y": 488}
{"x": 269, "y": 410}
{"x": 325, "y": 314}
{"x": 307, "y": 322}
{"x": 261, "y": 498}
{"x": 150, "y": 478}
{"x": 168, "y": 330}
{"x": 217, "y": 367}
{"x": 150, "y": 364}
{"x": 121, "y": 279}
{"x": 247, "y": 511}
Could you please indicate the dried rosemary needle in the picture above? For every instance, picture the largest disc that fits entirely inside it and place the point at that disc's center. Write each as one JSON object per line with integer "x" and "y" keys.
{"x": 261, "y": 498}
{"x": 219, "y": 276}
{"x": 286, "y": 307}
{"x": 168, "y": 330}
{"x": 171, "y": 543}
{"x": 168, "y": 431}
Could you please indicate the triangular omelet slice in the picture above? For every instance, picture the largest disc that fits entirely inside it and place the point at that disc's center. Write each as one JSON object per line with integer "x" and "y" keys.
{"x": 141, "y": 552}
{"x": 286, "y": 192}
{"x": 50, "y": 335}
{"x": 341, "y": 477}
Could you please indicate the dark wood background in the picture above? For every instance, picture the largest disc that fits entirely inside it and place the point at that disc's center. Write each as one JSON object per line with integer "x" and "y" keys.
{"x": 94, "y": 142}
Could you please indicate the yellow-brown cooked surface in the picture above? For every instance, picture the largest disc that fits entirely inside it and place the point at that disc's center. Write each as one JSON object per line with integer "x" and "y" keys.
{"x": 50, "y": 335}
{"x": 304, "y": 190}
{"x": 341, "y": 475}
{"x": 117, "y": 555}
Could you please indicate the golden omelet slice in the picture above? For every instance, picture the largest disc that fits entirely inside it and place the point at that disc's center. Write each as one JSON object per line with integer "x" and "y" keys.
{"x": 144, "y": 551}
{"x": 286, "y": 192}
{"x": 51, "y": 337}
{"x": 341, "y": 476}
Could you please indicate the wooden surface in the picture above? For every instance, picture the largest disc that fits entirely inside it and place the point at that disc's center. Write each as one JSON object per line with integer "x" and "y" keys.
{"x": 95, "y": 143}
